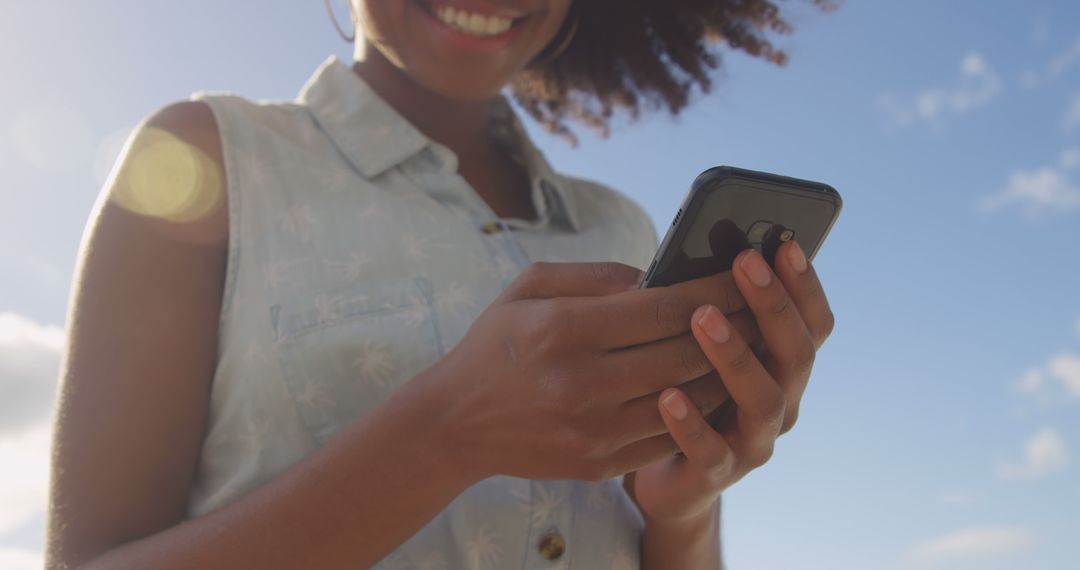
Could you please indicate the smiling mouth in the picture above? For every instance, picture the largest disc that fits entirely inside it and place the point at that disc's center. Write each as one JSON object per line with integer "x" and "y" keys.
{"x": 466, "y": 22}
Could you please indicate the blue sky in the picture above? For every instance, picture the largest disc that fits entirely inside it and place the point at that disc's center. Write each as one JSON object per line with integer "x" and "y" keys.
{"x": 941, "y": 427}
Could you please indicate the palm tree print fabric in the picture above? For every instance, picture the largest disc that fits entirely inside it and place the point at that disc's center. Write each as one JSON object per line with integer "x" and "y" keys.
{"x": 357, "y": 258}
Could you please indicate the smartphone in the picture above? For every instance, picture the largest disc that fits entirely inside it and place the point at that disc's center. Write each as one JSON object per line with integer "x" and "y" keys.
{"x": 728, "y": 210}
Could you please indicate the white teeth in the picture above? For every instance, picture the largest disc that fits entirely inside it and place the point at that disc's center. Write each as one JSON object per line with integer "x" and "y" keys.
{"x": 471, "y": 23}
{"x": 494, "y": 26}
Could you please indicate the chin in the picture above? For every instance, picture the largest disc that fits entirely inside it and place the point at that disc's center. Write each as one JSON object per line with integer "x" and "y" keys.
{"x": 464, "y": 87}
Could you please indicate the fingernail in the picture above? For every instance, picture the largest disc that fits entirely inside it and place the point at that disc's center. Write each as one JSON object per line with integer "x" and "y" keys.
{"x": 797, "y": 257}
{"x": 713, "y": 325}
{"x": 675, "y": 405}
{"x": 756, "y": 269}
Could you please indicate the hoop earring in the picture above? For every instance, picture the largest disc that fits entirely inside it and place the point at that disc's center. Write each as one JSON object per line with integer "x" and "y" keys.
{"x": 341, "y": 32}
{"x": 549, "y": 54}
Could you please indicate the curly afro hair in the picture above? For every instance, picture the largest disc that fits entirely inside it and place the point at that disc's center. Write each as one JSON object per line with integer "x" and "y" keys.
{"x": 630, "y": 54}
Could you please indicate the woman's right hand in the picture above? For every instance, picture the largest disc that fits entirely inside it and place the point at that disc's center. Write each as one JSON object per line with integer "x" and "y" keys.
{"x": 557, "y": 378}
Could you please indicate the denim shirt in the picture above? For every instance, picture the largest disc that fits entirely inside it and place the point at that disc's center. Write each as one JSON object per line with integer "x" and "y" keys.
{"x": 357, "y": 257}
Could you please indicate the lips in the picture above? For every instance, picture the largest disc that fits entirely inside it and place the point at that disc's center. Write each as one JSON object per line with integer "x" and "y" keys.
{"x": 481, "y": 7}
{"x": 471, "y": 17}
{"x": 472, "y": 24}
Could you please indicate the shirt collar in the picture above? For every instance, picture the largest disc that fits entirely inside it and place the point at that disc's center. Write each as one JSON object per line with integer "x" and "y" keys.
{"x": 507, "y": 129}
{"x": 371, "y": 134}
{"x": 374, "y": 137}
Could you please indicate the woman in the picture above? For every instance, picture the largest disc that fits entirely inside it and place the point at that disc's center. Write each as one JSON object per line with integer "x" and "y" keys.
{"x": 372, "y": 327}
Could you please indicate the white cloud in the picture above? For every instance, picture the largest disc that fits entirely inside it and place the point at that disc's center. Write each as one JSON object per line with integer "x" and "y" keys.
{"x": 1046, "y": 453}
{"x": 29, "y": 366}
{"x": 976, "y": 542}
{"x": 1059, "y": 377}
{"x": 1058, "y": 65}
{"x": 24, "y": 481}
{"x": 19, "y": 559}
{"x": 1036, "y": 191}
{"x": 978, "y": 85}
{"x": 1071, "y": 119}
{"x": 1065, "y": 368}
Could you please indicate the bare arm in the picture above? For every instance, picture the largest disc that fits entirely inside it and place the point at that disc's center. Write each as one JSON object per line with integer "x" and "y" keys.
{"x": 133, "y": 404}
{"x": 538, "y": 388}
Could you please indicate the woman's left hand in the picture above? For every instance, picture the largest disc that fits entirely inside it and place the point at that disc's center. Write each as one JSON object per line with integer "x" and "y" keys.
{"x": 794, "y": 318}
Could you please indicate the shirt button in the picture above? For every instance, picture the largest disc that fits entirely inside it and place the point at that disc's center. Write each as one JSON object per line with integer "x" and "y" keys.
{"x": 552, "y": 546}
{"x": 491, "y": 228}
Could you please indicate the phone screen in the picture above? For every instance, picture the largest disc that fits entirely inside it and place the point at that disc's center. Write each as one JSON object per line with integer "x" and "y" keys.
{"x": 725, "y": 215}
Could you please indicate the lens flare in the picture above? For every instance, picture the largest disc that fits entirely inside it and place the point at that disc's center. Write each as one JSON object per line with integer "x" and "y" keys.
{"x": 166, "y": 177}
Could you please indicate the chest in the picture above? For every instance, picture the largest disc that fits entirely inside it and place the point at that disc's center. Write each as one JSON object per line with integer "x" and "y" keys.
{"x": 368, "y": 285}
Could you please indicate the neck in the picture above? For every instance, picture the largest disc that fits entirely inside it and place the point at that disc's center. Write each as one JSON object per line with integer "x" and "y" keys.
{"x": 461, "y": 126}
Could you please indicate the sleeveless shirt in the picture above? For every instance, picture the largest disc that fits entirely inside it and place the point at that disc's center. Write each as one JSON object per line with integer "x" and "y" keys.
{"x": 357, "y": 257}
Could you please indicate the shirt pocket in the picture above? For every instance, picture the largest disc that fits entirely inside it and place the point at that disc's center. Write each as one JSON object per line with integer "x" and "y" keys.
{"x": 343, "y": 351}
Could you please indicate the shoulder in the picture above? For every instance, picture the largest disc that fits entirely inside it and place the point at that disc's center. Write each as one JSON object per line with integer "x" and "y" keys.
{"x": 172, "y": 172}
{"x": 185, "y": 118}
{"x": 239, "y": 116}
{"x": 193, "y": 122}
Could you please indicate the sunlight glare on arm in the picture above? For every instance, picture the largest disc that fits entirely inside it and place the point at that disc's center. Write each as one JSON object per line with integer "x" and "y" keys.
{"x": 167, "y": 178}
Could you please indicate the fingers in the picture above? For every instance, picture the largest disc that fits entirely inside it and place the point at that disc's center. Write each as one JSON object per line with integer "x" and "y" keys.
{"x": 549, "y": 280}
{"x": 724, "y": 457}
{"x": 702, "y": 446}
{"x": 801, "y": 282}
{"x": 652, "y": 367}
{"x": 758, "y": 398}
{"x": 646, "y": 315}
{"x": 639, "y": 454}
{"x": 639, "y": 419}
{"x": 649, "y": 368}
{"x": 635, "y": 421}
{"x": 790, "y": 345}
{"x": 707, "y": 393}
